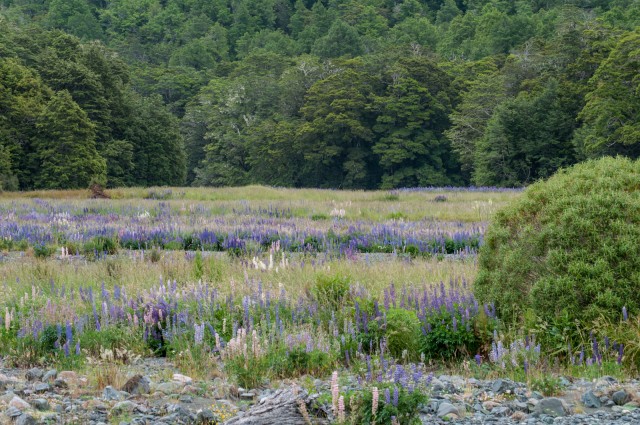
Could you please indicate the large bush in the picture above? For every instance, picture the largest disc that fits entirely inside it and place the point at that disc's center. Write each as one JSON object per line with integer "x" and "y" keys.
{"x": 571, "y": 242}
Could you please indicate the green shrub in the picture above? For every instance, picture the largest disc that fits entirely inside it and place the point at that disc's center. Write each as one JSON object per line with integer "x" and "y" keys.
{"x": 444, "y": 340}
{"x": 297, "y": 362}
{"x": 100, "y": 245}
{"x": 331, "y": 291}
{"x": 570, "y": 242}
{"x": 547, "y": 385}
{"x": 43, "y": 251}
{"x": 173, "y": 246}
{"x": 402, "y": 332}
{"x": 399, "y": 215}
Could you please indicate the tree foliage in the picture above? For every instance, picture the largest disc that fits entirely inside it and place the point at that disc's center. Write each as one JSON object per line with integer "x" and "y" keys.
{"x": 351, "y": 94}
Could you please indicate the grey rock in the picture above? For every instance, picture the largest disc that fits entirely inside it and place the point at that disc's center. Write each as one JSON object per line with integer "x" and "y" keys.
{"x": 620, "y": 397}
{"x": 446, "y": 408}
{"x": 552, "y": 407}
{"x": 247, "y": 396}
{"x": 501, "y": 411}
{"x": 590, "y": 400}
{"x": 123, "y": 407}
{"x": 606, "y": 381}
{"x": 137, "y": 385}
{"x": 26, "y": 419}
{"x": 34, "y": 374}
{"x": 169, "y": 387}
{"x": 521, "y": 406}
{"x": 206, "y": 416}
{"x": 186, "y": 399}
{"x": 501, "y": 386}
{"x": 537, "y": 395}
{"x": 50, "y": 375}
{"x": 60, "y": 383}
{"x": 437, "y": 385}
{"x": 13, "y": 412}
{"x": 41, "y": 388}
{"x": 111, "y": 394}
{"x": 41, "y": 404}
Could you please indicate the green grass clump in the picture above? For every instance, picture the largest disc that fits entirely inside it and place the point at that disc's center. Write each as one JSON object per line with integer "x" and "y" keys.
{"x": 568, "y": 243}
{"x": 331, "y": 290}
{"x": 402, "y": 332}
{"x": 405, "y": 410}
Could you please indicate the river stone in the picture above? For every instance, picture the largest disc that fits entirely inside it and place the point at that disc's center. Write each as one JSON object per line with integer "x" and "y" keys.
{"x": 34, "y": 374}
{"x": 41, "y": 388}
{"x": 26, "y": 419}
{"x": 606, "y": 381}
{"x": 137, "y": 385}
{"x": 206, "y": 416}
{"x": 182, "y": 379}
{"x": 620, "y": 397}
{"x": 41, "y": 404}
{"x": 111, "y": 394}
{"x": 446, "y": 408}
{"x": 519, "y": 416}
{"x": 590, "y": 400}
{"x": 169, "y": 387}
{"x": 501, "y": 386}
{"x": 490, "y": 405}
{"x": 123, "y": 407}
{"x": 501, "y": 411}
{"x": 551, "y": 406}
{"x": 50, "y": 375}
{"x": 12, "y": 412}
{"x": 19, "y": 403}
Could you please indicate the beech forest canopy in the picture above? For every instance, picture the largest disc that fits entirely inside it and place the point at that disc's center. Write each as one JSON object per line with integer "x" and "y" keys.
{"x": 359, "y": 94}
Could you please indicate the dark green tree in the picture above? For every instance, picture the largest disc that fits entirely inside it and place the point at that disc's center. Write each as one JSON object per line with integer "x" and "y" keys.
{"x": 158, "y": 147}
{"x": 611, "y": 114}
{"x": 526, "y": 139}
{"x": 337, "y": 135}
{"x": 66, "y": 146}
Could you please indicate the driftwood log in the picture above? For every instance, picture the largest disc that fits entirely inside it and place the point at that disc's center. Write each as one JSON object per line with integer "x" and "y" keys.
{"x": 287, "y": 406}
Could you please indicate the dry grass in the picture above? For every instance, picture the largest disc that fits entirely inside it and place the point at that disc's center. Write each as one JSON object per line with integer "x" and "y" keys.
{"x": 463, "y": 206}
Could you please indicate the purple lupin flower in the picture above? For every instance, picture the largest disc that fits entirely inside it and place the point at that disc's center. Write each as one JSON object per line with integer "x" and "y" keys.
{"x": 395, "y": 396}
{"x": 620, "y": 352}
{"x": 478, "y": 358}
{"x": 77, "y": 347}
{"x": 68, "y": 332}
{"x": 625, "y": 316}
{"x": 594, "y": 346}
{"x": 387, "y": 396}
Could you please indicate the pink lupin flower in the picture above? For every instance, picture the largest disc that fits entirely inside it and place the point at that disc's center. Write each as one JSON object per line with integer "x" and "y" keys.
{"x": 335, "y": 391}
{"x": 374, "y": 400}
{"x": 341, "y": 415}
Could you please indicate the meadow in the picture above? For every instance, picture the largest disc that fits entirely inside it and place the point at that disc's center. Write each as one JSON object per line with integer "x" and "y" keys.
{"x": 259, "y": 284}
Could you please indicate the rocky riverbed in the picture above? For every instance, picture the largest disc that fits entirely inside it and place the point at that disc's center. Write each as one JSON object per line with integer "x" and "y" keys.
{"x": 155, "y": 393}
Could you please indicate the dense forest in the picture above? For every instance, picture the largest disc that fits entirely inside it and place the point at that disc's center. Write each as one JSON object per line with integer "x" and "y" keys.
{"x": 338, "y": 93}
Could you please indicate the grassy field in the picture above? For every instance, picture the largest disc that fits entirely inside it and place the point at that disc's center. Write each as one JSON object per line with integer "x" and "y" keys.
{"x": 307, "y": 281}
